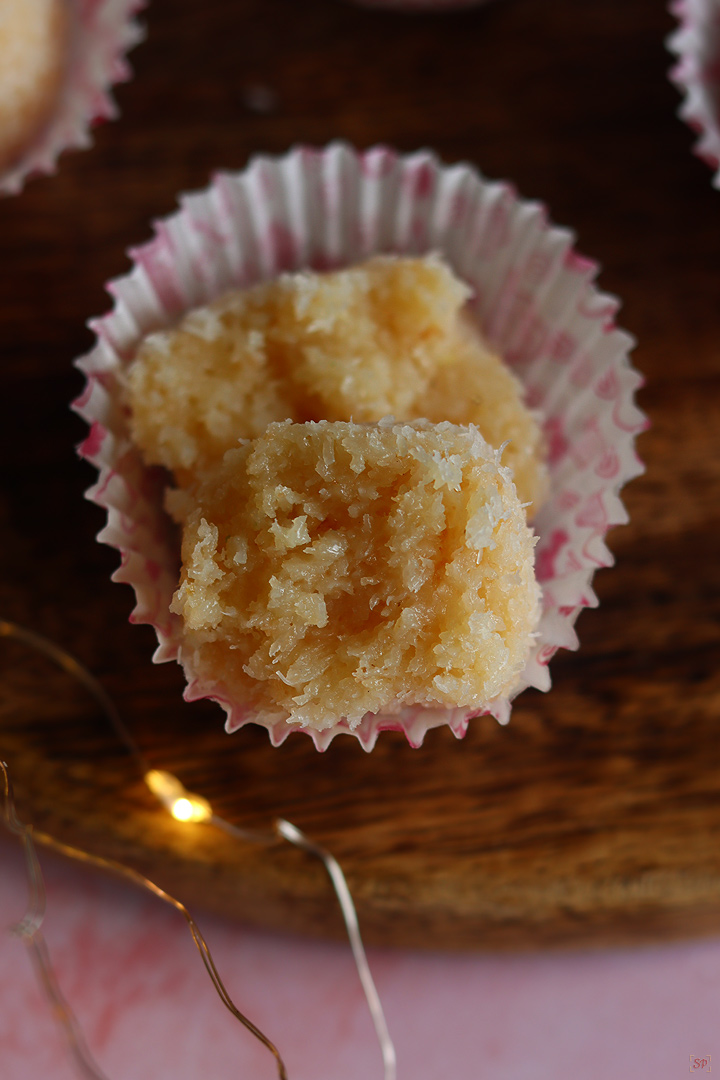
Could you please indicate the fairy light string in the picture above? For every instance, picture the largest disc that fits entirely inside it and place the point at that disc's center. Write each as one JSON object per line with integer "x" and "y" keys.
{"x": 291, "y": 833}
{"x": 29, "y": 931}
{"x": 184, "y": 806}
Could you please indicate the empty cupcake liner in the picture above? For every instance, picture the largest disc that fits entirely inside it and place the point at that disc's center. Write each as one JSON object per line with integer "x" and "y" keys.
{"x": 533, "y": 298}
{"x": 696, "y": 43}
{"x": 101, "y": 32}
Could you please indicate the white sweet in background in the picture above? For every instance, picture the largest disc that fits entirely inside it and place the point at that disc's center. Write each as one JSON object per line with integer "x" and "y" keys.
{"x": 33, "y": 48}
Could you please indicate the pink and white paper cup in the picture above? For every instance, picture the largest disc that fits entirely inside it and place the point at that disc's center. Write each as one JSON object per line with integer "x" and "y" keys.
{"x": 100, "y": 33}
{"x": 533, "y": 298}
{"x": 696, "y": 44}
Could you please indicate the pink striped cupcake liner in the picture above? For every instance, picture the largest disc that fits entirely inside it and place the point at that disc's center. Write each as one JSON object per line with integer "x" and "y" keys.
{"x": 101, "y": 32}
{"x": 532, "y": 295}
{"x": 696, "y": 43}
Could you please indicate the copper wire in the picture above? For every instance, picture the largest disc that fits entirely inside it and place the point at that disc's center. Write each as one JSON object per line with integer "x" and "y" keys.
{"x": 29, "y": 931}
{"x": 282, "y": 828}
{"x": 67, "y": 662}
{"x": 291, "y": 833}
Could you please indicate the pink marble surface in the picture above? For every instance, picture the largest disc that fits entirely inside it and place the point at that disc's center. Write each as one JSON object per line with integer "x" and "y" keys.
{"x": 128, "y": 966}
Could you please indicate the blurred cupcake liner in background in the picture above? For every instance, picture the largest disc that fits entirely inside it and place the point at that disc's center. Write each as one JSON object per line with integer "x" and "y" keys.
{"x": 697, "y": 74}
{"x": 421, "y": 5}
{"x": 60, "y": 59}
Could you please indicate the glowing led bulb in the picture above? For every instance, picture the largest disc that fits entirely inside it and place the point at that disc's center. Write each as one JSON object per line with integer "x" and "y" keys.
{"x": 182, "y": 810}
{"x": 182, "y": 804}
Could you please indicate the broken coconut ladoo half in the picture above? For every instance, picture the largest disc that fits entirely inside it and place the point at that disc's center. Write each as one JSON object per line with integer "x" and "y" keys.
{"x": 334, "y": 569}
{"x": 346, "y": 451}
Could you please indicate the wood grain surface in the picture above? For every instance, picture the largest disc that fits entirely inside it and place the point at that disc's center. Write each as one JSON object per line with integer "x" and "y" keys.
{"x": 595, "y": 816}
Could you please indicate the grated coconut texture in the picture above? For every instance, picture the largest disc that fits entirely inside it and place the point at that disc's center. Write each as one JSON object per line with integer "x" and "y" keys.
{"x": 334, "y": 569}
{"x": 387, "y": 337}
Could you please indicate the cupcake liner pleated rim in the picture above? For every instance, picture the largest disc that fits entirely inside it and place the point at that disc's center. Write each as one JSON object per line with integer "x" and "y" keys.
{"x": 533, "y": 297}
{"x": 696, "y": 44}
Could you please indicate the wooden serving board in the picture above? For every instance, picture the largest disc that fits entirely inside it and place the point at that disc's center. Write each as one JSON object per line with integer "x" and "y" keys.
{"x": 595, "y": 816}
